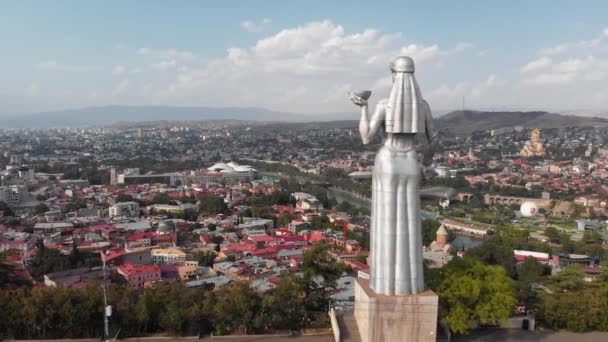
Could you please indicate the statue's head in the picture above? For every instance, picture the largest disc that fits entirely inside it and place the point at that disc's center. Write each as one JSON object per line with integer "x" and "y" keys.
{"x": 402, "y": 64}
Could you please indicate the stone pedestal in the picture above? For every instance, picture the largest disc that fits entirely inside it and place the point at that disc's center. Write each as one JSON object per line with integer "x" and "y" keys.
{"x": 406, "y": 318}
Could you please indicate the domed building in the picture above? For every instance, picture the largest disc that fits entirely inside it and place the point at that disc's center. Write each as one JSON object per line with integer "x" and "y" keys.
{"x": 534, "y": 147}
{"x": 441, "y": 241}
{"x": 165, "y": 227}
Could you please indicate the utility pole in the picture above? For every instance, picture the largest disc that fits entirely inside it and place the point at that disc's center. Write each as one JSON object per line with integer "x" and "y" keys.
{"x": 106, "y": 309}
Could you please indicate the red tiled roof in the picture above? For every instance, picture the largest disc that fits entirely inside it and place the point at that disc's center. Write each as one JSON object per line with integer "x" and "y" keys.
{"x": 103, "y": 227}
{"x": 238, "y": 248}
{"x": 358, "y": 264}
{"x": 292, "y": 239}
{"x": 265, "y": 251}
{"x": 285, "y": 246}
{"x": 114, "y": 253}
{"x": 134, "y": 269}
{"x": 140, "y": 235}
{"x": 261, "y": 238}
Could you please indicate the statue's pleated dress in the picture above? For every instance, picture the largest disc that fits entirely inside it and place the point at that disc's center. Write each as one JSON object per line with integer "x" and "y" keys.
{"x": 396, "y": 238}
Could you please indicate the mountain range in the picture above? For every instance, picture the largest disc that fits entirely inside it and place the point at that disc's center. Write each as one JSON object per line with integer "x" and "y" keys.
{"x": 456, "y": 122}
{"x": 467, "y": 121}
{"x": 106, "y": 115}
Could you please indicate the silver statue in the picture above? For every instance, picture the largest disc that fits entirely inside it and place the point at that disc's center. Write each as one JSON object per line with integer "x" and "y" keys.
{"x": 396, "y": 237}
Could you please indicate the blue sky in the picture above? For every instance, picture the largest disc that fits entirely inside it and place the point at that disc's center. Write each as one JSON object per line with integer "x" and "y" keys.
{"x": 302, "y": 56}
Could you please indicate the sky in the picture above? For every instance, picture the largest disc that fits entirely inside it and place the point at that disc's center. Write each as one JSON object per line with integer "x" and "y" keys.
{"x": 302, "y": 56}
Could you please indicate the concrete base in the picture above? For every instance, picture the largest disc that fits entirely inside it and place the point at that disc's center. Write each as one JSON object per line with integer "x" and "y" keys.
{"x": 395, "y": 318}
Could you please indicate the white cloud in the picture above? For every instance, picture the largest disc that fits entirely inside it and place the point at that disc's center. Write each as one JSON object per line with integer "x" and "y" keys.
{"x": 556, "y": 50}
{"x": 252, "y": 26}
{"x": 56, "y": 66}
{"x": 420, "y": 54}
{"x": 302, "y": 69}
{"x": 143, "y": 51}
{"x": 165, "y": 65}
{"x": 536, "y": 65}
{"x": 584, "y": 45}
{"x": 120, "y": 88}
{"x": 472, "y": 94}
{"x": 308, "y": 69}
{"x": 463, "y": 46}
{"x": 119, "y": 70}
{"x": 173, "y": 53}
{"x": 548, "y": 72}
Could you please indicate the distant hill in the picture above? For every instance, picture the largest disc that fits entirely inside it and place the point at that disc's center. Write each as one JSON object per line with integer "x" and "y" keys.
{"x": 457, "y": 123}
{"x": 107, "y": 115}
{"x": 466, "y": 122}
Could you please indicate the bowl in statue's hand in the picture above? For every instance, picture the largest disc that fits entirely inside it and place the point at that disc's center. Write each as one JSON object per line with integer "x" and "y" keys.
{"x": 364, "y": 94}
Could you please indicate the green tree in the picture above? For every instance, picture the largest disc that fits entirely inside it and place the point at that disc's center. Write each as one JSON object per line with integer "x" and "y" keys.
{"x": 285, "y": 305}
{"x": 47, "y": 261}
{"x": 552, "y": 233}
{"x": 317, "y": 263}
{"x": 9, "y": 278}
{"x": 496, "y": 250}
{"x": 319, "y": 222}
{"x": 577, "y": 311}
{"x": 204, "y": 258}
{"x": 237, "y": 310}
{"x": 212, "y": 204}
{"x": 472, "y": 294}
{"x": 429, "y": 230}
{"x": 217, "y": 239}
{"x": 5, "y": 209}
{"x": 122, "y": 197}
{"x": 285, "y": 219}
{"x": 568, "y": 279}
{"x": 161, "y": 198}
{"x": 566, "y": 242}
{"x": 320, "y": 274}
{"x": 530, "y": 270}
{"x": 41, "y": 208}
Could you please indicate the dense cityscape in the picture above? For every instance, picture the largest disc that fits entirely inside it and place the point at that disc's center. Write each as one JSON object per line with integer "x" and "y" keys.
{"x": 222, "y": 224}
{"x": 313, "y": 171}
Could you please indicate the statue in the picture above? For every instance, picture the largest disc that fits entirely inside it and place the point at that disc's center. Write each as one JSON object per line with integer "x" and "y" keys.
{"x": 396, "y": 237}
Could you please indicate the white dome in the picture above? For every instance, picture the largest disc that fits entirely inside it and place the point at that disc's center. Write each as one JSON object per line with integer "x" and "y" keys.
{"x": 219, "y": 166}
{"x": 242, "y": 168}
{"x": 528, "y": 209}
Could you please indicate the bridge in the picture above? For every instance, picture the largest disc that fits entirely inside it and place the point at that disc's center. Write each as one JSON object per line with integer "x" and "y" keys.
{"x": 509, "y": 200}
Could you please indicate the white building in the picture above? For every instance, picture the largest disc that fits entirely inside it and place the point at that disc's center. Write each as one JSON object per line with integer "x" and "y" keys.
{"x": 13, "y": 195}
{"x": 127, "y": 209}
{"x": 168, "y": 256}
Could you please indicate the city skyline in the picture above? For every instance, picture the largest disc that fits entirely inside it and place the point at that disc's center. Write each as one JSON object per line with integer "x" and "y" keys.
{"x": 527, "y": 57}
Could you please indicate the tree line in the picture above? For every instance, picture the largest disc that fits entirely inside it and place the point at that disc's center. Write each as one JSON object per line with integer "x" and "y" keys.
{"x": 171, "y": 308}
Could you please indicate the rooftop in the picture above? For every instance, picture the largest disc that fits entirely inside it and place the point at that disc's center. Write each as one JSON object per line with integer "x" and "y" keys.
{"x": 135, "y": 269}
{"x": 167, "y": 251}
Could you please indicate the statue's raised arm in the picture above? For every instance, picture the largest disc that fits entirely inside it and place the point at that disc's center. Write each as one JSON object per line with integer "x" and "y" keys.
{"x": 368, "y": 127}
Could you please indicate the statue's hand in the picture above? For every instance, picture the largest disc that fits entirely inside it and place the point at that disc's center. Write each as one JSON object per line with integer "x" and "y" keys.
{"x": 358, "y": 100}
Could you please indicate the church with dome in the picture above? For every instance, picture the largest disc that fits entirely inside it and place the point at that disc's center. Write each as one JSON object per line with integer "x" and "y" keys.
{"x": 533, "y": 147}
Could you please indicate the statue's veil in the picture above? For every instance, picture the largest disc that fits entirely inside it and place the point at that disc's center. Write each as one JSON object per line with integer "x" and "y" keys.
{"x": 405, "y": 107}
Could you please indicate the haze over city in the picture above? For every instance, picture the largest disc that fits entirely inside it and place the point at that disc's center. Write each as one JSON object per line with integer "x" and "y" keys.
{"x": 518, "y": 55}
